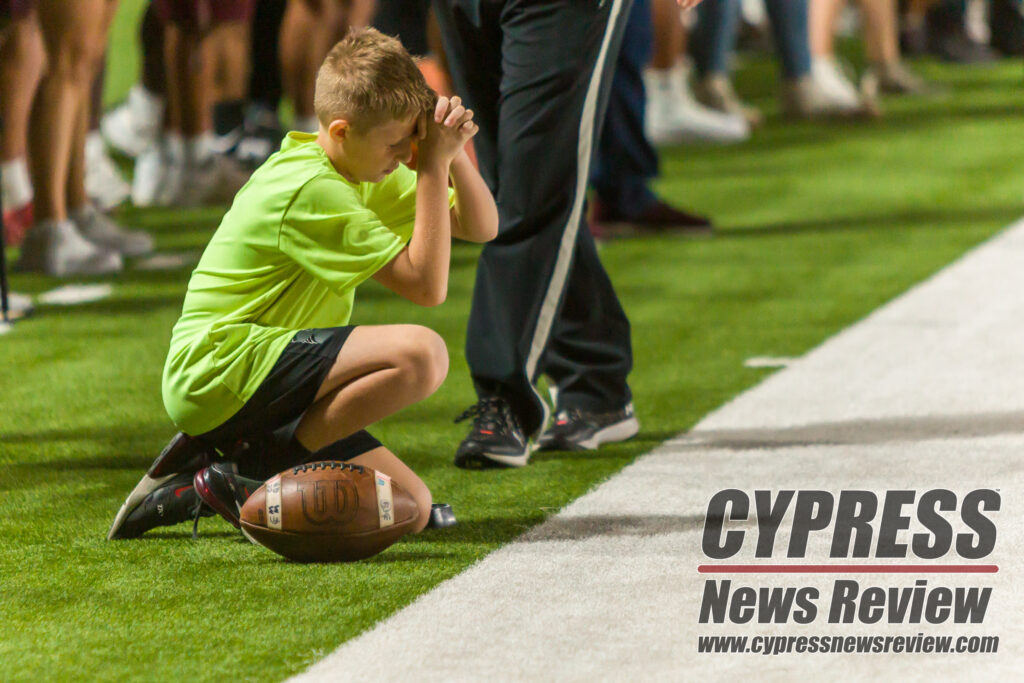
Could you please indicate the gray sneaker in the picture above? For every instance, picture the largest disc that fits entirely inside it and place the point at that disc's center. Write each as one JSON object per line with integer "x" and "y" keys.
{"x": 807, "y": 98}
{"x": 99, "y": 229}
{"x": 58, "y": 249}
{"x": 897, "y": 79}
{"x": 716, "y": 91}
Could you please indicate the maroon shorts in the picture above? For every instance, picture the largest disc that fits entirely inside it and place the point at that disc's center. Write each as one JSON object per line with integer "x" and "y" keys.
{"x": 203, "y": 13}
{"x": 15, "y": 9}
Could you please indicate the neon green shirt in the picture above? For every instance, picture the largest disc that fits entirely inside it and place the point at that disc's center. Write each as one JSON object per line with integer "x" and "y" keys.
{"x": 287, "y": 256}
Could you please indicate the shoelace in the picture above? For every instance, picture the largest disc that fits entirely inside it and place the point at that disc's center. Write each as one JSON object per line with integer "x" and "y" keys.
{"x": 195, "y": 520}
{"x": 487, "y": 414}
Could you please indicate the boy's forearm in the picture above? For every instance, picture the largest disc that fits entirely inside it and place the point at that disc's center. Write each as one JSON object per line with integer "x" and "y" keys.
{"x": 474, "y": 205}
{"x": 430, "y": 247}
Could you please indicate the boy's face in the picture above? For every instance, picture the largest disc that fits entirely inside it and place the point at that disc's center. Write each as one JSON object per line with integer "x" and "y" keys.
{"x": 372, "y": 154}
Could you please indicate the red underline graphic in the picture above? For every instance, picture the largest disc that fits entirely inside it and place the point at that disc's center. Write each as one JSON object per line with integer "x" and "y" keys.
{"x": 847, "y": 568}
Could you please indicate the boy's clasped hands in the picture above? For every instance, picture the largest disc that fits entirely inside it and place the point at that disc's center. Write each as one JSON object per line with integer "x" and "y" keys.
{"x": 442, "y": 138}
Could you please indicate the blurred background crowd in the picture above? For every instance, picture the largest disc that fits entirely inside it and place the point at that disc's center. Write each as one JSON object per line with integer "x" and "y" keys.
{"x": 222, "y": 81}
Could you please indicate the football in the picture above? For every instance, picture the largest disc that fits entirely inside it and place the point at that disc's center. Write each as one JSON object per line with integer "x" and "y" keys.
{"x": 328, "y": 512}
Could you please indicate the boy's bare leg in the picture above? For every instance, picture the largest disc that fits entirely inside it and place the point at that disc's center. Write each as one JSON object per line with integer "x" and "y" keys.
{"x": 383, "y": 460}
{"x": 380, "y": 370}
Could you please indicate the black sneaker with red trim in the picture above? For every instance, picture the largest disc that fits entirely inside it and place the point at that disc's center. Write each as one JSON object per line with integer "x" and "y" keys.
{"x": 495, "y": 440}
{"x": 582, "y": 430}
{"x": 182, "y": 456}
{"x": 172, "y": 502}
{"x": 224, "y": 490}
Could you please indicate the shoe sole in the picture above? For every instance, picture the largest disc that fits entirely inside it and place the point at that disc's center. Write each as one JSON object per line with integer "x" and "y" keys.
{"x": 145, "y": 487}
{"x": 620, "y": 431}
{"x": 208, "y": 497}
{"x": 485, "y": 460}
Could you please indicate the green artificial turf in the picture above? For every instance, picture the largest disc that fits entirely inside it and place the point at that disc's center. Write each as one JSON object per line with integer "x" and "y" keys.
{"x": 820, "y": 224}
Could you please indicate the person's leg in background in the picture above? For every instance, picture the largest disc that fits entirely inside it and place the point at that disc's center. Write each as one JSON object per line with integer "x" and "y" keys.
{"x": 711, "y": 45}
{"x": 913, "y": 26}
{"x": 882, "y": 47}
{"x": 104, "y": 184}
{"x": 810, "y": 88}
{"x": 136, "y": 124}
{"x": 229, "y": 53}
{"x": 625, "y": 161}
{"x": 406, "y": 20}
{"x": 261, "y": 130}
{"x": 94, "y": 225}
{"x": 673, "y": 113}
{"x": 947, "y": 34}
{"x": 195, "y": 175}
{"x": 73, "y": 33}
{"x": 308, "y": 31}
{"x": 827, "y": 71}
{"x": 1006, "y": 21}
{"x": 22, "y": 58}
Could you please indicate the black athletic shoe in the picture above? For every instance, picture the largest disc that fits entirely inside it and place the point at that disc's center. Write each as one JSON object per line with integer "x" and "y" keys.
{"x": 172, "y": 502}
{"x": 223, "y": 489}
{"x": 183, "y": 455}
{"x": 496, "y": 439}
{"x": 581, "y": 430}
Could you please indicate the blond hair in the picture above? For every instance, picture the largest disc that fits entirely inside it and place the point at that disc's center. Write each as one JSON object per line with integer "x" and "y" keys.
{"x": 369, "y": 78}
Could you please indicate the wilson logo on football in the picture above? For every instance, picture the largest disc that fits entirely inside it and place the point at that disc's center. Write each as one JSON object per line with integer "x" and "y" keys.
{"x": 329, "y": 502}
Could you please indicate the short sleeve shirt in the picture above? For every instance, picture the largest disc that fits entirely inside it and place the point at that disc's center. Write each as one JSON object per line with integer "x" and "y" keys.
{"x": 288, "y": 255}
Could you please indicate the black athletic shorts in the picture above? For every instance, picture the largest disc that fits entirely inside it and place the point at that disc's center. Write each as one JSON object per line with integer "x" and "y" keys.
{"x": 272, "y": 415}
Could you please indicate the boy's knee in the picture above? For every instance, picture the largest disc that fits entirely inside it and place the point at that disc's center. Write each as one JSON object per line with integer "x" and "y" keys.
{"x": 424, "y": 502}
{"x": 425, "y": 359}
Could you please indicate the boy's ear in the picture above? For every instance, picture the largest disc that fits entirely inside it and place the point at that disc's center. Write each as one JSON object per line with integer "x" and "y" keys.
{"x": 338, "y": 129}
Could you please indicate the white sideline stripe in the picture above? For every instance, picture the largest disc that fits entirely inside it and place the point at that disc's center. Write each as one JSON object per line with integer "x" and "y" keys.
{"x": 584, "y": 147}
{"x": 925, "y": 392}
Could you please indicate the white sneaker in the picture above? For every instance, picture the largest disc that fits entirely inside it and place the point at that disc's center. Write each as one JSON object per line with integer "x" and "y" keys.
{"x": 99, "y": 229}
{"x": 149, "y": 180}
{"x": 135, "y": 124}
{"x": 104, "y": 183}
{"x": 805, "y": 98}
{"x": 674, "y": 115}
{"x": 56, "y": 248}
{"x": 19, "y": 305}
{"x": 828, "y": 76}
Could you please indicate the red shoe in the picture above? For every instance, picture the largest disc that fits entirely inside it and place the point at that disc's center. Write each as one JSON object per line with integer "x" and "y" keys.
{"x": 16, "y": 223}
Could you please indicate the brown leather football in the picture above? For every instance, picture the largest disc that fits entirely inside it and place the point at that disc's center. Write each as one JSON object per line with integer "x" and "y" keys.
{"x": 328, "y": 512}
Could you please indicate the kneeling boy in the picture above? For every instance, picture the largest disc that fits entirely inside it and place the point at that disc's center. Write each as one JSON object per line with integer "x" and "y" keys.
{"x": 264, "y": 370}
